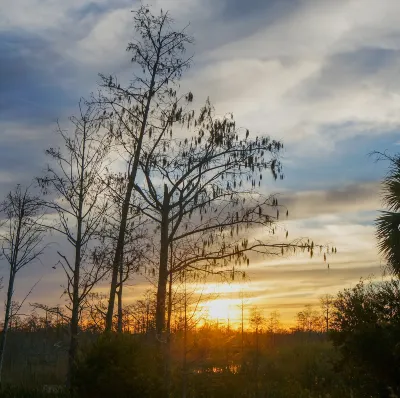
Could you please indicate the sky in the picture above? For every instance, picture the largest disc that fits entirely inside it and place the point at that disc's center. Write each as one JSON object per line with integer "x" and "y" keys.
{"x": 322, "y": 76}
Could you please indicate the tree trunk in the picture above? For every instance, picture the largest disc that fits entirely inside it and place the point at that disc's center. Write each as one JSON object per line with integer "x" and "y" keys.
{"x": 74, "y": 326}
{"x": 169, "y": 303}
{"x": 119, "y": 251}
{"x": 119, "y": 324}
{"x": 257, "y": 361}
{"x": 10, "y": 290}
{"x": 163, "y": 267}
{"x": 169, "y": 315}
{"x": 184, "y": 364}
{"x": 327, "y": 319}
{"x": 3, "y": 340}
{"x": 242, "y": 335}
{"x": 125, "y": 208}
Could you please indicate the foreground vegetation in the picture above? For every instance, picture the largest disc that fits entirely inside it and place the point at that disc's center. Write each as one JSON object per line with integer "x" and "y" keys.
{"x": 288, "y": 365}
{"x": 356, "y": 356}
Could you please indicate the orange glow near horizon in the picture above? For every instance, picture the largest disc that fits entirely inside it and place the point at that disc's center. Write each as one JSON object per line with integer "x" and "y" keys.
{"x": 222, "y": 302}
{"x": 223, "y": 310}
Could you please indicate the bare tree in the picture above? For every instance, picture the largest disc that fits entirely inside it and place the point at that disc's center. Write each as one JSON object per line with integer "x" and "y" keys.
{"x": 243, "y": 302}
{"x": 273, "y": 322}
{"x": 309, "y": 319}
{"x": 76, "y": 185}
{"x": 136, "y": 109}
{"x": 21, "y": 238}
{"x": 257, "y": 321}
{"x": 326, "y": 302}
{"x": 202, "y": 192}
{"x": 136, "y": 241}
{"x": 94, "y": 311}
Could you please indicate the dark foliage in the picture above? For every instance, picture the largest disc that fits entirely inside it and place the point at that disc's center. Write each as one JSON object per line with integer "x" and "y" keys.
{"x": 387, "y": 224}
{"x": 366, "y": 324}
{"x": 118, "y": 366}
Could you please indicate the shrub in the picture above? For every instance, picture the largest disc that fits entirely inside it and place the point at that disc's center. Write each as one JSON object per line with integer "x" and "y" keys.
{"x": 118, "y": 366}
{"x": 366, "y": 330}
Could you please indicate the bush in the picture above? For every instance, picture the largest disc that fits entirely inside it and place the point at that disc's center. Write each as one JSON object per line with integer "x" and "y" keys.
{"x": 366, "y": 330}
{"x": 118, "y": 366}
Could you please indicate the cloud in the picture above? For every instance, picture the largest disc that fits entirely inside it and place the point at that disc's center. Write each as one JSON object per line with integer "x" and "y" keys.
{"x": 31, "y": 90}
{"x": 104, "y": 45}
{"x": 50, "y": 16}
{"x": 315, "y": 76}
{"x": 351, "y": 198}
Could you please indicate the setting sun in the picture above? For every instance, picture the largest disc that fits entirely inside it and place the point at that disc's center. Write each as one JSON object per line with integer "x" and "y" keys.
{"x": 222, "y": 310}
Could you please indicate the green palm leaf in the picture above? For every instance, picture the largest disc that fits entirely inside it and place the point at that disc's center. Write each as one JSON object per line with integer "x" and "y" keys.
{"x": 391, "y": 188}
{"x": 388, "y": 234}
{"x": 387, "y": 224}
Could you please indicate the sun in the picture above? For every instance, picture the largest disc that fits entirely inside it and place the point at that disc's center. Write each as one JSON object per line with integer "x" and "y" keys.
{"x": 218, "y": 309}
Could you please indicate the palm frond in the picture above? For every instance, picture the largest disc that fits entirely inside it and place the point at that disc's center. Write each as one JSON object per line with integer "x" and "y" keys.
{"x": 391, "y": 189}
{"x": 388, "y": 235}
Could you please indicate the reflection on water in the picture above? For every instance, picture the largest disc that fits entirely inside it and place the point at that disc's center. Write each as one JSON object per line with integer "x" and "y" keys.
{"x": 215, "y": 369}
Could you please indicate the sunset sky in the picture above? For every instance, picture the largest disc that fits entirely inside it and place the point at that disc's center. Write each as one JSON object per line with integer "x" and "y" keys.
{"x": 322, "y": 76}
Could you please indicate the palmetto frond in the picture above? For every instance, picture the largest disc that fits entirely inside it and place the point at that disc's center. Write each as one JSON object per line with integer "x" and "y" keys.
{"x": 387, "y": 224}
{"x": 388, "y": 235}
{"x": 391, "y": 186}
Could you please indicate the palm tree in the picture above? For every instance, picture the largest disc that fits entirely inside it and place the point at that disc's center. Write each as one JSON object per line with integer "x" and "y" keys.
{"x": 388, "y": 223}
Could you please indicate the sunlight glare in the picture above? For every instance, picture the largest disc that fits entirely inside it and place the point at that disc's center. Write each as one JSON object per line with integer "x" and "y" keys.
{"x": 222, "y": 309}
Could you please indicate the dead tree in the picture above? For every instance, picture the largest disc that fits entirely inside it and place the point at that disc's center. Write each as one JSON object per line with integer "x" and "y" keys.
{"x": 21, "y": 238}
{"x": 326, "y": 303}
{"x": 75, "y": 183}
{"x": 136, "y": 241}
{"x": 203, "y": 193}
{"x": 134, "y": 110}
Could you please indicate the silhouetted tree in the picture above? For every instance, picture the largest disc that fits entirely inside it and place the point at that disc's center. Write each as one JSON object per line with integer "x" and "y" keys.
{"x": 326, "y": 303}
{"x": 309, "y": 319}
{"x": 273, "y": 324}
{"x": 257, "y": 321}
{"x": 138, "y": 109}
{"x": 136, "y": 241}
{"x": 21, "y": 236}
{"x": 75, "y": 182}
{"x": 202, "y": 193}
